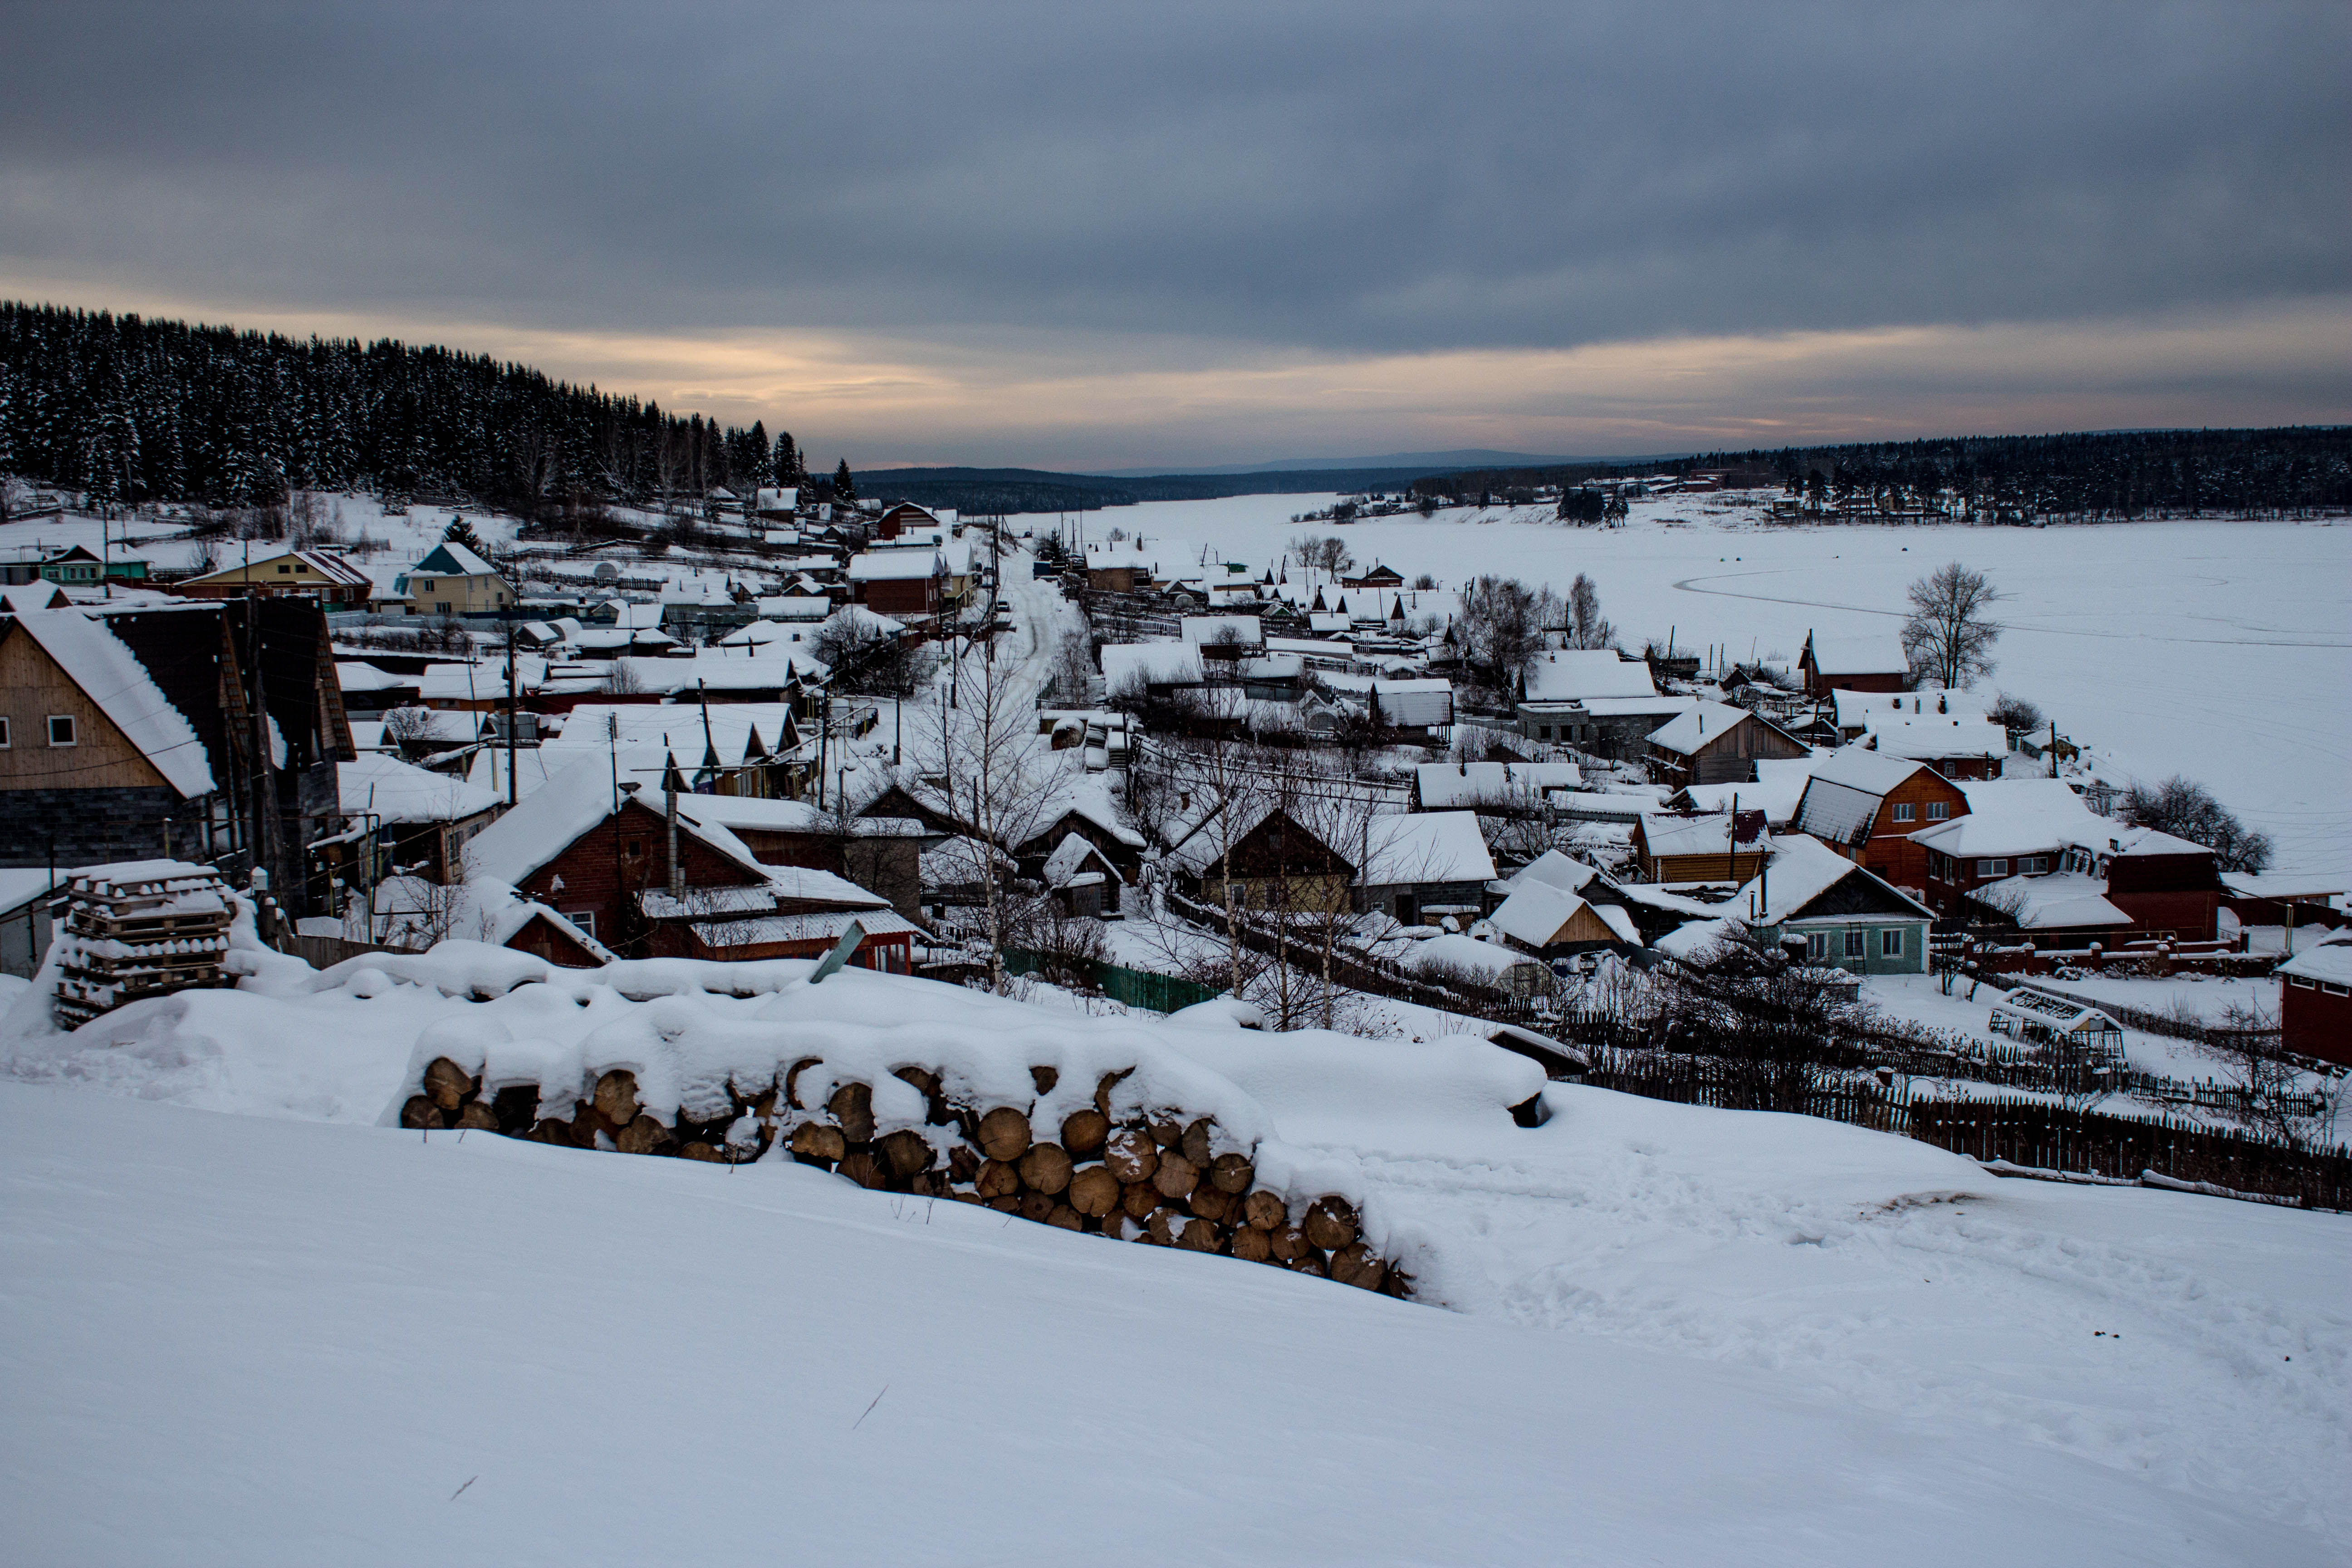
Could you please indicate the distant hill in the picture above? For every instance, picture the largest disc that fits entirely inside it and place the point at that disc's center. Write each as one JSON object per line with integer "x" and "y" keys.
{"x": 1420, "y": 462}
{"x": 983, "y": 490}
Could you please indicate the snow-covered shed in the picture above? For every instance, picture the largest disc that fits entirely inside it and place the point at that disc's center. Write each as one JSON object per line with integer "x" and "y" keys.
{"x": 1423, "y": 866}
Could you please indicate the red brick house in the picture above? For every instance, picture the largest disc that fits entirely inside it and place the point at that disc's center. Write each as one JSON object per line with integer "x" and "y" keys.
{"x": 2316, "y": 1001}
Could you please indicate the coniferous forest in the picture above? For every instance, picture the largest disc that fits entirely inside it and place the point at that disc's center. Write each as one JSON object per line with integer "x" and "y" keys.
{"x": 132, "y": 410}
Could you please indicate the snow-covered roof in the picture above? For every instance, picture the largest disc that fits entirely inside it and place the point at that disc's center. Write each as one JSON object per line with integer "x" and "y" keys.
{"x": 1708, "y": 835}
{"x": 1069, "y": 858}
{"x": 1569, "y": 675}
{"x": 765, "y": 668}
{"x": 1488, "y": 960}
{"x": 2068, "y": 1015}
{"x": 396, "y": 791}
{"x": 2283, "y": 884}
{"x": 2330, "y": 962}
{"x": 1836, "y": 814}
{"x": 96, "y": 660}
{"x": 1427, "y": 700}
{"x": 1936, "y": 736}
{"x": 1443, "y": 784}
{"x": 673, "y": 727}
{"x": 573, "y": 800}
{"x": 1779, "y": 785}
{"x": 351, "y": 675}
{"x": 1423, "y": 846}
{"x": 1869, "y": 653}
{"x": 1704, "y": 724}
{"x": 2015, "y": 816}
{"x": 1799, "y": 870}
{"x": 1535, "y": 913}
{"x": 1857, "y": 767}
{"x": 1246, "y": 630}
{"x": 461, "y": 562}
{"x": 21, "y": 886}
{"x": 896, "y": 565}
{"x": 1868, "y": 709}
{"x": 1635, "y": 707}
{"x": 2060, "y": 901}
{"x": 1555, "y": 870}
{"x": 1152, "y": 664}
{"x": 2107, "y": 838}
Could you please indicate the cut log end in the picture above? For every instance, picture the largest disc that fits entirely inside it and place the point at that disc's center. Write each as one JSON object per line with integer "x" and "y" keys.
{"x": 1005, "y": 1133}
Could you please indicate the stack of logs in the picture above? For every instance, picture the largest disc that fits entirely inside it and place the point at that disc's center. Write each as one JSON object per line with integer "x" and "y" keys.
{"x": 1150, "y": 1179}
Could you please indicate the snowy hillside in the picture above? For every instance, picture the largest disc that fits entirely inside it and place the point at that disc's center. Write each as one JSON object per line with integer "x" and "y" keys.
{"x": 1641, "y": 1332}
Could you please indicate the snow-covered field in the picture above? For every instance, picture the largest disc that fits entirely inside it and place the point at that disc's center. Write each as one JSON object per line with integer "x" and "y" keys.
{"x": 1646, "y": 1331}
{"x": 2221, "y": 650}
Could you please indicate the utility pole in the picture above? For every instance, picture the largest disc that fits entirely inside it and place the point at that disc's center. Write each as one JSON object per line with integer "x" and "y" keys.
{"x": 512, "y": 793}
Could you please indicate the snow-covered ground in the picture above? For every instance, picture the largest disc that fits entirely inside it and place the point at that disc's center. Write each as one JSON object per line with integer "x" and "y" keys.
{"x": 1644, "y": 1332}
{"x": 2221, "y": 650}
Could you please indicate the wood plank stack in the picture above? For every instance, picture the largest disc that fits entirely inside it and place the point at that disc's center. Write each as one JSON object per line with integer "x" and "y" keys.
{"x": 143, "y": 927}
{"x": 1154, "y": 1179}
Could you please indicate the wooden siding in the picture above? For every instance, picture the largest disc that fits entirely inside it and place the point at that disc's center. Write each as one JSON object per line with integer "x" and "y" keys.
{"x": 102, "y": 756}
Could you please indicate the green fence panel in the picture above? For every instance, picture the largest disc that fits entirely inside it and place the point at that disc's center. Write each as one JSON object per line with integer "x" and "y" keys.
{"x": 1135, "y": 987}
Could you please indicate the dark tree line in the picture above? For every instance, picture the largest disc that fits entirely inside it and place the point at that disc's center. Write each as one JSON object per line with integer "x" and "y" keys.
{"x": 134, "y": 410}
{"x": 2293, "y": 472}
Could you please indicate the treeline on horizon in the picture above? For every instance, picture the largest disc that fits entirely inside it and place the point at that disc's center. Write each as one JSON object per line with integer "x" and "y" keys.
{"x": 132, "y": 410}
{"x": 2123, "y": 475}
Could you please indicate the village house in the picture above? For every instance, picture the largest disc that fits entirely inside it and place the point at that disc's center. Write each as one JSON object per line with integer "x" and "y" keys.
{"x": 2013, "y": 827}
{"x": 1874, "y": 662}
{"x": 1700, "y": 848}
{"x": 907, "y": 584}
{"x": 1849, "y": 918}
{"x": 415, "y": 821}
{"x": 2316, "y": 1001}
{"x": 449, "y": 580}
{"x": 1715, "y": 744}
{"x": 1380, "y": 576}
{"x": 1081, "y": 879}
{"x": 1594, "y": 700}
{"x": 320, "y": 574}
{"x": 1549, "y": 921}
{"x": 1268, "y": 860}
{"x": 647, "y": 883}
{"x": 2171, "y": 887}
{"x": 1495, "y": 788}
{"x": 130, "y": 735}
{"x": 1420, "y": 867}
{"x": 1867, "y": 806}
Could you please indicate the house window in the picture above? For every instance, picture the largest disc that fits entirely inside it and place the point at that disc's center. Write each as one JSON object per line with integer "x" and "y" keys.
{"x": 61, "y": 730}
{"x": 633, "y": 849}
{"x": 2329, "y": 988}
{"x": 1854, "y": 943}
{"x": 584, "y": 919}
{"x": 1992, "y": 868}
{"x": 2301, "y": 983}
{"x": 283, "y": 569}
{"x": 1817, "y": 944}
{"x": 4, "y": 733}
{"x": 2033, "y": 865}
{"x": 1890, "y": 943}
{"x": 1904, "y": 810}
{"x": 1940, "y": 810}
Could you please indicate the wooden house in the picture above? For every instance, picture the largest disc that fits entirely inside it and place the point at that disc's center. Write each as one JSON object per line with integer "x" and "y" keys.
{"x": 1866, "y": 806}
{"x": 1700, "y": 848}
{"x": 1868, "y": 663}
{"x": 1716, "y": 744}
{"x": 1271, "y": 861}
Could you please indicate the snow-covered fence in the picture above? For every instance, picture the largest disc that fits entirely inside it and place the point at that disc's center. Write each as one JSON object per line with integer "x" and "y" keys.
{"x": 1116, "y": 1150}
{"x": 2050, "y": 1137}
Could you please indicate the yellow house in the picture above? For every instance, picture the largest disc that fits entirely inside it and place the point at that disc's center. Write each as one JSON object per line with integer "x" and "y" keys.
{"x": 451, "y": 580}
{"x": 330, "y": 578}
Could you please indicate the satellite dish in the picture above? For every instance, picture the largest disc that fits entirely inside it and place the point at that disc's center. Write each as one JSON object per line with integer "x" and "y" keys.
{"x": 607, "y": 573}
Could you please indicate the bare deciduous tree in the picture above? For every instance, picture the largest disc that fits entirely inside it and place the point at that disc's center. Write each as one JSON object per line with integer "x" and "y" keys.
{"x": 2186, "y": 809}
{"x": 1586, "y": 629}
{"x": 1949, "y": 636}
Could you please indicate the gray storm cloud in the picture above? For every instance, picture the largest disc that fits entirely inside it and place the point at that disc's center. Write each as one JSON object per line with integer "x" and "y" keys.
{"x": 1343, "y": 180}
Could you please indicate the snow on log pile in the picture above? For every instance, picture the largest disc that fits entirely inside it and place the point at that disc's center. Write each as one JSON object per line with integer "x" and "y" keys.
{"x": 137, "y": 929}
{"x": 1086, "y": 1124}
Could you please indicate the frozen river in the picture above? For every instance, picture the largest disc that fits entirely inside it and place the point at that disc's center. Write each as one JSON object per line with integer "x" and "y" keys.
{"x": 2221, "y": 650}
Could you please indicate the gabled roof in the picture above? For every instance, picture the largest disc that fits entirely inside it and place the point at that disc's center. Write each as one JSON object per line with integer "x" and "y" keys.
{"x": 1799, "y": 871}
{"x": 1709, "y": 835}
{"x": 2063, "y": 901}
{"x": 451, "y": 558}
{"x": 2331, "y": 961}
{"x": 1936, "y": 735}
{"x": 1867, "y": 653}
{"x": 1553, "y": 869}
{"x": 1537, "y": 913}
{"x": 1687, "y": 733}
{"x": 1247, "y": 630}
{"x": 396, "y": 791}
{"x": 1071, "y": 859}
{"x": 1151, "y": 663}
{"x": 2015, "y": 816}
{"x": 1423, "y": 846}
{"x": 1859, "y": 768}
{"x": 1443, "y": 784}
{"x": 895, "y": 567}
{"x": 96, "y": 660}
{"x": 1567, "y": 674}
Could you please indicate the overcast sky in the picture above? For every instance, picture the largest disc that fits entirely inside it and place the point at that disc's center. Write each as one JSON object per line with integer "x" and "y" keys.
{"x": 1116, "y": 235}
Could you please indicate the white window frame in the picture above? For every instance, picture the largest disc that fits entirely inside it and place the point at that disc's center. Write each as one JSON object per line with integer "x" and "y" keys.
{"x": 1817, "y": 944}
{"x": 1995, "y": 867}
{"x": 2033, "y": 865}
{"x": 1890, "y": 942}
{"x": 73, "y": 731}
